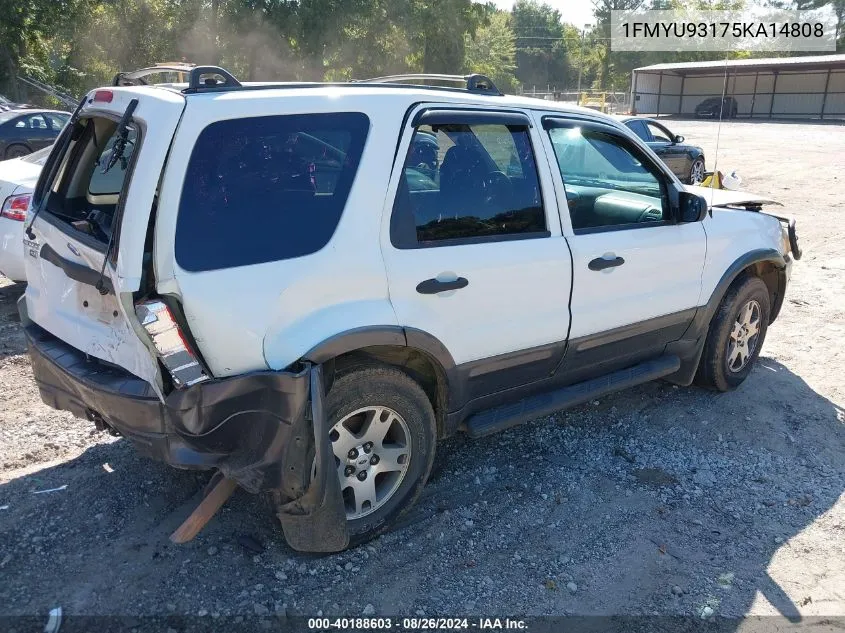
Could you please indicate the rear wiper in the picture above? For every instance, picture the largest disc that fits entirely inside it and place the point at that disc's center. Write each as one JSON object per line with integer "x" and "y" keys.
{"x": 117, "y": 154}
{"x": 122, "y": 133}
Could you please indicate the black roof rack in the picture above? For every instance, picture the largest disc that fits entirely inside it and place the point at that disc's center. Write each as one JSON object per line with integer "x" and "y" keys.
{"x": 136, "y": 77}
{"x": 203, "y": 78}
{"x": 472, "y": 83}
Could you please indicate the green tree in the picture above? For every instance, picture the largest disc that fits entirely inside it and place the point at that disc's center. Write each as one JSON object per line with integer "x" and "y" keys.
{"x": 542, "y": 57}
{"x": 26, "y": 30}
{"x": 437, "y": 30}
{"x": 492, "y": 51}
{"x": 601, "y": 11}
{"x": 838, "y": 7}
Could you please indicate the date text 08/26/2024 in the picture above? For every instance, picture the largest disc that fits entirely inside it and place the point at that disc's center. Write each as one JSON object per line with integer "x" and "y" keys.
{"x": 417, "y": 624}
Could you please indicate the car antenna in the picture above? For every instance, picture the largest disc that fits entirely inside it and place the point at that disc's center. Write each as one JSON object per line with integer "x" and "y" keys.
{"x": 719, "y": 132}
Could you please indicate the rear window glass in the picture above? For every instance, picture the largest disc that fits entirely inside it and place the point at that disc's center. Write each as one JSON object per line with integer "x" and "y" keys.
{"x": 108, "y": 176}
{"x": 92, "y": 177}
{"x": 266, "y": 188}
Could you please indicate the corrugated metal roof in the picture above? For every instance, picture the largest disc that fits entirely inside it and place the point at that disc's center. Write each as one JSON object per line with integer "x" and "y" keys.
{"x": 802, "y": 63}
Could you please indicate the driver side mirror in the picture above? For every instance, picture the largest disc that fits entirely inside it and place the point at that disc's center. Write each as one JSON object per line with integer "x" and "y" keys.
{"x": 692, "y": 207}
{"x": 679, "y": 139}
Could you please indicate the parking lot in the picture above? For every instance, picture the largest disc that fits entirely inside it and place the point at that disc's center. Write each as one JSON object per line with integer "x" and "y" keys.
{"x": 659, "y": 500}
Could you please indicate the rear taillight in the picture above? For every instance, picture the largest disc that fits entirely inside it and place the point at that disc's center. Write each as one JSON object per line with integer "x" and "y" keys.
{"x": 174, "y": 351}
{"x": 14, "y": 207}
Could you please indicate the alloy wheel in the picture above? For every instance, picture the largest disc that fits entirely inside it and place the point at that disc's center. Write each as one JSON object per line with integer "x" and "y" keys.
{"x": 744, "y": 336}
{"x": 372, "y": 450}
{"x": 697, "y": 172}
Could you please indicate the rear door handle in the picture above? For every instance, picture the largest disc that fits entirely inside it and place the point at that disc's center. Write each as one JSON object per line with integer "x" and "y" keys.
{"x": 600, "y": 263}
{"x": 433, "y": 286}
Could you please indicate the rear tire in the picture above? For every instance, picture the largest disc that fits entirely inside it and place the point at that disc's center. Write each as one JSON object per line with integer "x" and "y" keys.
{"x": 16, "y": 151}
{"x": 696, "y": 172}
{"x": 397, "y": 408}
{"x": 736, "y": 335}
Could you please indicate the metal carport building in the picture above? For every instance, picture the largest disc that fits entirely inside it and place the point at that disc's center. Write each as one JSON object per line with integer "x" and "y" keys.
{"x": 780, "y": 87}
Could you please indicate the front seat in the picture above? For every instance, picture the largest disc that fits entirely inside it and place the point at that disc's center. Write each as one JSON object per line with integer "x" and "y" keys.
{"x": 462, "y": 180}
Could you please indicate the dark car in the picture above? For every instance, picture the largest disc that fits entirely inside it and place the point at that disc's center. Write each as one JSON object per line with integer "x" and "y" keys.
{"x": 685, "y": 161}
{"x": 715, "y": 106}
{"x": 24, "y": 131}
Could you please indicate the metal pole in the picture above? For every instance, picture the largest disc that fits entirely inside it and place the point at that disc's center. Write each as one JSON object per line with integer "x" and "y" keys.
{"x": 824, "y": 98}
{"x": 681, "y": 96}
{"x": 633, "y": 107}
{"x": 754, "y": 94}
{"x": 581, "y": 63}
{"x": 774, "y": 91}
{"x": 659, "y": 92}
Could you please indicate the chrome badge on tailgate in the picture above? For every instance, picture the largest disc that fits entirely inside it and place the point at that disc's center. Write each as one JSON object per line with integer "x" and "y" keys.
{"x": 31, "y": 247}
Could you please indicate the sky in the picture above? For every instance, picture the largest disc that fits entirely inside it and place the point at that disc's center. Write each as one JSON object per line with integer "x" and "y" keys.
{"x": 577, "y": 12}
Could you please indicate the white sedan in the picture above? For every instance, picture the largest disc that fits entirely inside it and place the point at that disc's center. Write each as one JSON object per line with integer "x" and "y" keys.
{"x": 17, "y": 181}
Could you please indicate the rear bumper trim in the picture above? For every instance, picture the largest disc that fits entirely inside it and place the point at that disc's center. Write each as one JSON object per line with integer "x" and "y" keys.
{"x": 246, "y": 426}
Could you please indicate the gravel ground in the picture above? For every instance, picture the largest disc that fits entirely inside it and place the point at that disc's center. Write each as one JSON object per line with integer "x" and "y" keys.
{"x": 658, "y": 500}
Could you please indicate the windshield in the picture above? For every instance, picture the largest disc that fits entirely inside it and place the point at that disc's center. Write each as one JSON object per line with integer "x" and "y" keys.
{"x": 8, "y": 116}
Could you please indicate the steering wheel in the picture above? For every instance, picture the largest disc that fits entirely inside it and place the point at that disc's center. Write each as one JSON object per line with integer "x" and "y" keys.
{"x": 498, "y": 190}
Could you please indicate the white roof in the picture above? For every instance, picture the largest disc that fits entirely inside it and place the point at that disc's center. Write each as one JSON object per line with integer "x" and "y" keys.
{"x": 400, "y": 94}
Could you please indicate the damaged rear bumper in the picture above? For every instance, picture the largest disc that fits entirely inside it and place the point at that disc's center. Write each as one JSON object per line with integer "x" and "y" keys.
{"x": 264, "y": 430}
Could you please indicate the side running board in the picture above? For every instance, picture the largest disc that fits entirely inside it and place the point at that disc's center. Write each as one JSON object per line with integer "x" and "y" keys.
{"x": 506, "y": 416}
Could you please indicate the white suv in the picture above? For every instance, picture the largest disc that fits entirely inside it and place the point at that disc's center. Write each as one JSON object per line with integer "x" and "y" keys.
{"x": 305, "y": 286}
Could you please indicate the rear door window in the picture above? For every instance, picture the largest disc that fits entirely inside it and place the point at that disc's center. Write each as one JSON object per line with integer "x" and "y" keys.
{"x": 264, "y": 189}
{"x": 56, "y": 121}
{"x": 482, "y": 186}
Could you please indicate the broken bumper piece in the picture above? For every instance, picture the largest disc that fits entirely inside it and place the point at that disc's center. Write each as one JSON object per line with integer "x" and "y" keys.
{"x": 265, "y": 430}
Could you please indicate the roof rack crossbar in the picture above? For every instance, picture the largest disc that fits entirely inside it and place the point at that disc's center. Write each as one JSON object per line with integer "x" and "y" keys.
{"x": 205, "y": 78}
{"x": 472, "y": 83}
{"x": 202, "y": 79}
{"x": 136, "y": 77}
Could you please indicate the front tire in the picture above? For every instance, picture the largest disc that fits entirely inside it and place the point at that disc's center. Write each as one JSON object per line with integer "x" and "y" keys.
{"x": 736, "y": 335}
{"x": 383, "y": 435}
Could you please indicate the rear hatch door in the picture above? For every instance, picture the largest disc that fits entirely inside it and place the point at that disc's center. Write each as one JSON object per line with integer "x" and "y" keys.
{"x": 83, "y": 210}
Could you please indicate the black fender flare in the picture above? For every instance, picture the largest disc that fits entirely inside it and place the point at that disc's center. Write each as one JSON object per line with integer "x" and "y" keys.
{"x": 701, "y": 321}
{"x": 691, "y": 345}
{"x": 356, "y": 338}
{"x": 391, "y": 335}
{"x": 770, "y": 255}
